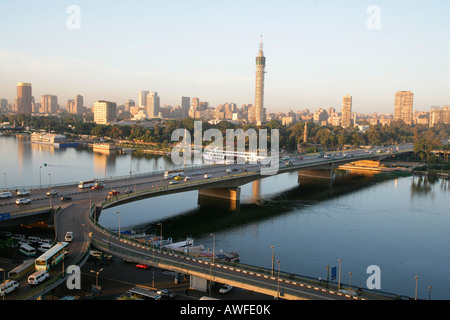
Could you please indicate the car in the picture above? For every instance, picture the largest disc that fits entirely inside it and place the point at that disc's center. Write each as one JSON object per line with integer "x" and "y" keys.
{"x": 23, "y": 201}
{"x": 69, "y": 236}
{"x": 98, "y": 186}
{"x": 128, "y": 191}
{"x": 52, "y": 193}
{"x": 228, "y": 170}
{"x": 234, "y": 169}
{"x": 23, "y": 192}
{"x": 114, "y": 193}
{"x": 196, "y": 173}
{"x": 66, "y": 198}
{"x": 173, "y": 182}
{"x": 178, "y": 178}
{"x": 300, "y": 158}
{"x": 187, "y": 178}
{"x": 206, "y": 176}
{"x": 225, "y": 289}
{"x": 142, "y": 266}
{"x": 166, "y": 293}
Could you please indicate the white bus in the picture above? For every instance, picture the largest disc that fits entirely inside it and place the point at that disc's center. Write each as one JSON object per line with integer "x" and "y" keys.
{"x": 37, "y": 277}
{"x": 27, "y": 250}
{"x": 51, "y": 257}
{"x": 87, "y": 184}
{"x": 173, "y": 173}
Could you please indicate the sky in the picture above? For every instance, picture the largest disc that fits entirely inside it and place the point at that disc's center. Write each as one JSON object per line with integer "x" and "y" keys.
{"x": 316, "y": 51}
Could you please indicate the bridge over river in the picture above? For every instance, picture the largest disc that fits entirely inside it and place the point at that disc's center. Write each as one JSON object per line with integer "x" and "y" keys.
{"x": 80, "y": 216}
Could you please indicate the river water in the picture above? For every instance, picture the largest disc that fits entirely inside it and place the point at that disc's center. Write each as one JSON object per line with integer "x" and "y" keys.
{"x": 399, "y": 224}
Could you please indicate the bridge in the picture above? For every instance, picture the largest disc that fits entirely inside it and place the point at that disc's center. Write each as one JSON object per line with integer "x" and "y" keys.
{"x": 81, "y": 216}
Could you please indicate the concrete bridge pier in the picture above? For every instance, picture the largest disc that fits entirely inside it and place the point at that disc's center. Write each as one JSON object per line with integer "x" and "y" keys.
{"x": 232, "y": 194}
{"x": 321, "y": 177}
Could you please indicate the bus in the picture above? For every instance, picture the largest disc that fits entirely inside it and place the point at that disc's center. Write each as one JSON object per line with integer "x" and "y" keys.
{"x": 139, "y": 293}
{"x": 87, "y": 184}
{"x": 22, "y": 270}
{"x": 52, "y": 256}
{"x": 173, "y": 173}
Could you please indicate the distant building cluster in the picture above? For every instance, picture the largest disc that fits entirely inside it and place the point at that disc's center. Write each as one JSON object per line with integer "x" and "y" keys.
{"x": 149, "y": 107}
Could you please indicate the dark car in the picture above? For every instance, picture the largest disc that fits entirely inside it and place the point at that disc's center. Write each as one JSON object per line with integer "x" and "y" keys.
{"x": 166, "y": 293}
{"x": 66, "y": 198}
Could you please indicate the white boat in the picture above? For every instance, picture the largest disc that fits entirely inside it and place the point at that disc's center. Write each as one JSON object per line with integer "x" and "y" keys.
{"x": 57, "y": 140}
{"x": 217, "y": 155}
{"x": 180, "y": 245}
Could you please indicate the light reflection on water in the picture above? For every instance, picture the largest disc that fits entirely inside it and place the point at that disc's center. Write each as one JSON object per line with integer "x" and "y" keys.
{"x": 399, "y": 225}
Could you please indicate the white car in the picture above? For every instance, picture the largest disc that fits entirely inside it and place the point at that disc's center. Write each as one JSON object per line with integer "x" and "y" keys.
{"x": 187, "y": 178}
{"x": 23, "y": 192}
{"x": 8, "y": 286}
{"x": 226, "y": 288}
{"x": 52, "y": 193}
{"x": 23, "y": 201}
{"x": 69, "y": 236}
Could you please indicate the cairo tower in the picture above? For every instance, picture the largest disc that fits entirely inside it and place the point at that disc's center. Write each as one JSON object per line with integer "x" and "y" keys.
{"x": 259, "y": 90}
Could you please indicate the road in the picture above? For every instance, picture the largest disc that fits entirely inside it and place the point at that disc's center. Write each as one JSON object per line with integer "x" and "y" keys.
{"x": 74, "y": 217}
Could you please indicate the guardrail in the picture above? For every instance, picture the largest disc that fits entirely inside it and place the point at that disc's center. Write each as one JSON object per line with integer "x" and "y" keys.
{"x": 179, "y": 260}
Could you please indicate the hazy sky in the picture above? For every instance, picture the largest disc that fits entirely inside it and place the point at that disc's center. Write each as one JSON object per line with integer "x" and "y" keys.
{"x": 316, "y": 51}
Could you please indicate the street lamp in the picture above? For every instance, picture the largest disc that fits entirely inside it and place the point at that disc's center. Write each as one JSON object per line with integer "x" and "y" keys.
{"x": 339, "y": 279}
{"x": 415, "y": 297}
{"x": 350, "y": 274}
{"x": 96, "y": 276}
{"x": 273, "y": 258}
{"x": 117, "y": 212}
{"x": 40, "y": 174}
{"x": 214, "y": 243}
{"x": 5, "y": 179}
{"x": 160, "y": 239}
{"x": 278, "y": 282}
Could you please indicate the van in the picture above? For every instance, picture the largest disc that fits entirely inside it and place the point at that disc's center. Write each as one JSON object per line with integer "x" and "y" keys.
{"x": 27, "y": 250}
{"x": 45, "y": 241}
{"x": 34, "y": 239}
{"x": 18, "y": 236}
{"x": 38, "y": 276}
{"x": 69, "y": 236}
{"x": 8, "y": 286}
{"x": 44, "y": 247}
{"x": 4, "y": 195}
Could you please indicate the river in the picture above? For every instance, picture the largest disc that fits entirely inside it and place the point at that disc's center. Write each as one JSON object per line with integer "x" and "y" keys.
{"x": 399, "y": 225}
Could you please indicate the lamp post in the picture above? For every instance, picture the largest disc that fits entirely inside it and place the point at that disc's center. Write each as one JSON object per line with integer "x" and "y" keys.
{"x": 160, "y": 238}
{"x": 50, "y": 180}
{"x": 339, "y": 279}
{"x": 96, "y": 276}
{"x": 350, "y": 274}
{"x": 117, "y": 212}
{"x": 415, "y": 296}
{"x": 273, "y": 258}
{"x": 214, "y": 243}
{"x": 40, "y": 174}
{"x": 278, "y": 282}
{"x": 5, "y": 179}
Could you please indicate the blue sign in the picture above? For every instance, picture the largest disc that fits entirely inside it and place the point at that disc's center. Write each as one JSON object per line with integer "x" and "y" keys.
{"x": 4, "y": 216}
{"x": 333, "y": 273}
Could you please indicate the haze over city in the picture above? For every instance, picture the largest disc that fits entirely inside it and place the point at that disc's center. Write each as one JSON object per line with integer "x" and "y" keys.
{"x": 316, "y": 51}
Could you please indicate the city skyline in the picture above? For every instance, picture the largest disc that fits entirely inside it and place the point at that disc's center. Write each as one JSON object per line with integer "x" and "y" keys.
{"x": 314, "y": 56}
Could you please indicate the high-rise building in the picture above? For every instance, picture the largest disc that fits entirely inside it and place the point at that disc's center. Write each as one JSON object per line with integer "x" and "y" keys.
{"x": 143, "y": 98}
{"x": 49, "y": 104}
{"x": 129, "y": 104}
{"x": 259, "y": 88}
{"x": 152, "y": 105}
{"x": 24, "y": 98}
{"x": 104, "y": 112}
{"x": 347, "y": 111}
{"x": 403, "y": 109}
{"x": 185, "y": 105}
{"x": 438, "y": 115}
{"x": 3, "y": 105}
